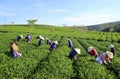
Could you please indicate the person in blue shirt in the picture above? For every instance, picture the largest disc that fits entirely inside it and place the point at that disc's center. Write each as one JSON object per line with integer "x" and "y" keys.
{"x": 73, "y": 54}
{"x": 53, "y": 45}
{"x": 40, "y": 38}
{"x": 70, "y": 43}
{"x": 28, "y": 38}
{"x": 112, "y": 49}
{"x": 48, "y": 41}
{"x": 19, "y": 37}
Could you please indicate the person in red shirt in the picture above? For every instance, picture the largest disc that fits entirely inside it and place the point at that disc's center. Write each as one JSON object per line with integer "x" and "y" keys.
{"x": 92, "y": 51}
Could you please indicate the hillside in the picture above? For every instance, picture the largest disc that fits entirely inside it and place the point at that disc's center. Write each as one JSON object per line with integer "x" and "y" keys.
{"x": 38, "y": 62}
{"x": 111, "y": 26}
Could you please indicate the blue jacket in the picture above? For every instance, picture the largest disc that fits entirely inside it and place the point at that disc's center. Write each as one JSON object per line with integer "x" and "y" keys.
{"x": 70, "y": 44}
{"x": 40, "y": 42}
{"x": 18, "y": 38}
{"x": 72, "y": 54}
{"x": 53, "y": 46}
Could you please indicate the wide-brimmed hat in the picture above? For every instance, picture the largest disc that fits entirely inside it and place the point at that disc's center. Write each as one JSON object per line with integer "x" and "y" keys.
{"x": 90, "y": 49}
{"x": 68, "y": 39}
{"x": 47, "y": 38}
{"x": 21, "y": 36}
{"x": 109, "y": 54}
{"x": 55, "y": 42}
{"x": 111, "y": 46}
{"x": 78, "y": 50}
{"x": 42, "y": 38}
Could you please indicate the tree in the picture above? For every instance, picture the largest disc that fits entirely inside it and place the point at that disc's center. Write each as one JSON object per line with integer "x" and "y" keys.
{"x": 12, "y": 23}
{"x": 32, "y": 22}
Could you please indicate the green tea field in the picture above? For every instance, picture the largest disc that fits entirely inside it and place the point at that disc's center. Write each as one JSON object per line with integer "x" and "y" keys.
{"x": 41, "y": 63}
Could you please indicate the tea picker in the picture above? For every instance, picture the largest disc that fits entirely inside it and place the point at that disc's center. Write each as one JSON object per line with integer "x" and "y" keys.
{"x": 53, "y": 46}
{"x": 28, "y": 38}
{"x": 105, "y": 58}
{"x": 48, "y": 41}
{"x": 112, "y": 49}
{"x": 73, "y": 54}
{"x": 92, "y": 51}
{"x": 19, "y": 37}
{"x": 40, "y": 38}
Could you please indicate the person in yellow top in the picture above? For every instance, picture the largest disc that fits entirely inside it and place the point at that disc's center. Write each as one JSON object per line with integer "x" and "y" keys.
{"x": 14, "y": 50}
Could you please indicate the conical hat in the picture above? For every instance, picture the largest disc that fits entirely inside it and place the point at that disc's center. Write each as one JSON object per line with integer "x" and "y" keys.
{"x": 39, "y": 36}
{"x": 21, "y": 36}
{"x": 42, "y": 38}
{"x": 90, "y": 49}
{"x": 55, "y": 42}
{"x": 109, "y": 54}
{"x": 15, "y": 47}
{"x": 68, "y": 38}
{"x": 78, "y": 50}
{"x": 111, "y": 46}
{"x": 47, "y": 38}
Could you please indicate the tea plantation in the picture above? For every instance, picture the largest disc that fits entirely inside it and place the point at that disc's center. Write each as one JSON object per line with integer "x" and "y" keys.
{"x": 41, "y": 63}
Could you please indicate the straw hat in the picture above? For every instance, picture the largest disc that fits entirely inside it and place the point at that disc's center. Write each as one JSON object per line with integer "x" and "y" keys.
{"x": 109, "y": 54}
{"x": 90, "y": 49}
{"x": 42, "y": 38}
{"x": 68, "y": 38}
{"x": 15, "y": 47}
{"x": 21, "y": 36}
{"x": 111, "y": 46}
{"x": 47, "y": 38}
{"x": 78, "y": 50}
{"x": 55, "y": 42}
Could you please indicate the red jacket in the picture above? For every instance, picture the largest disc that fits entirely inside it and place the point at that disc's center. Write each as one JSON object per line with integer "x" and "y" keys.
{"x": 93, "y": 52}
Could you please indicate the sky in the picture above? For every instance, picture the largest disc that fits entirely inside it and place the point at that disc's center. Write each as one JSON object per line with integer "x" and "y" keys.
{"x": 60, "y": 12}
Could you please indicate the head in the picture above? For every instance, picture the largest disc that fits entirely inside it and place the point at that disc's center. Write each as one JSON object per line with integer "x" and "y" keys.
{"x": 111, "y": 46}
{"x": 41, "y": 37}
{"x": 28, "y": 34}
{"x": 109, "y": 54}
{"x": 55, "y": 42}
{"x": 68, "y": 38}
{"x": 21, "y": 36}
{"x": 90, "y": 49}
{"x": 78, "y": 50}
{"x": 47, "y": 38}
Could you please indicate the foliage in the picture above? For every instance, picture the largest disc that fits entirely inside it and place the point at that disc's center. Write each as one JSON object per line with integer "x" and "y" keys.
{"x": 38, "y": 62}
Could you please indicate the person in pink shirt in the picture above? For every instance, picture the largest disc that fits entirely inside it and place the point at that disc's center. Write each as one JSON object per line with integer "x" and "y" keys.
{"x": 92, "y": 51}
{"x": 105, "y": 58}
